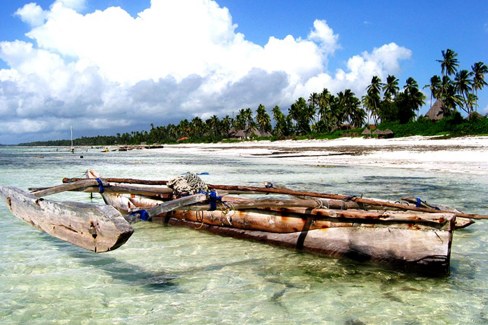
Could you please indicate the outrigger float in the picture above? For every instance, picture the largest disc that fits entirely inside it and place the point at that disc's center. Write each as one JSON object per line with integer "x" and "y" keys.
{"x": 409, "y": 234}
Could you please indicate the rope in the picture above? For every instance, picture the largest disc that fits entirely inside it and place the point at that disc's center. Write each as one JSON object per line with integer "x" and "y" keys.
{"x": 101, "y": 189}
{"x": 418, "y": 202}
{"x": 213, "y": 198}
{"x": 320, "y": 203}
{"x": 227, "y": 207}
{"x": 141, "y": 214}
{"x": 187, "y": 184}
{"x": 201, "y": 219}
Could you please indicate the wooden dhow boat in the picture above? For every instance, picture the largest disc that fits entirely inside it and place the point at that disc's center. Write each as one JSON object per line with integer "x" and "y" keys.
{"x": 410, "y": 234}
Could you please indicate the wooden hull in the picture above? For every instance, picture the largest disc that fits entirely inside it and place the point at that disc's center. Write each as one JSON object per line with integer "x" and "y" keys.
{"x": 418, "y": 242}
{"x": 419, "y": 248}
{"x": 96, "y": 228}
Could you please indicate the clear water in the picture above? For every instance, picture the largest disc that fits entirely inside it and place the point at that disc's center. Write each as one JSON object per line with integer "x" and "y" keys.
{"x": 171, "y": 275}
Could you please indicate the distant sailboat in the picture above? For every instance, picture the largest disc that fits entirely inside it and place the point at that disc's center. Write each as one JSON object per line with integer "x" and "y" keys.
{"x": 72, "y": 146}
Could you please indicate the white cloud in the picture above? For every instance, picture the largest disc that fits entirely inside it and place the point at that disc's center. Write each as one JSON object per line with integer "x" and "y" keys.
{"x": 325, "y": 36}
{"x": 359, "y": 71}
{"x": 380, "y": 62}
{"x": 73, "y": 4}
{"x": 31, "y": 14}
{"x": 174, "y": 60}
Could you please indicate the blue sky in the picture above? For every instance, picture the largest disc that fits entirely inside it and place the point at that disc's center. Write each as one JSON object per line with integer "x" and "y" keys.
{"x": 112, "y": 66}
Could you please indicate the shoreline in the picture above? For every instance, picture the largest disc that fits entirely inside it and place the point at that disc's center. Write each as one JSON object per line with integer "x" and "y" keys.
{"x": 455, "y": 155}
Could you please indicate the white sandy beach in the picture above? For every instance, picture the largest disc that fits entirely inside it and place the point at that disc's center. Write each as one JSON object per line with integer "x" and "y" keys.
{"x": 456, "y": 155}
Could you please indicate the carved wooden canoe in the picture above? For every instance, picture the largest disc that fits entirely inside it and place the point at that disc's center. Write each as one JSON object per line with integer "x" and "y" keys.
{"x": 412, "y": 241}
{"x": 99, "y": 228}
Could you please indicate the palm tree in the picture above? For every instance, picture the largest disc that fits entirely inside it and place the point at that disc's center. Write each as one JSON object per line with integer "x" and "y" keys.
{"x": 226, "y": 125}
{"x": 340, "y": 109}
{"x": 412, "y": 90}
{"x": 450, "y": 99}
{"x": 244, "y": 121}
{"x": 281, "y": 125}
{"x": 263, "y": 120}
{"x": 479, "y": 70}
{"x": 324, "y": 111}
{"x": 250, "y": 124}
{"x": 409, "y": 101}
{"x": 358, "y": 115}
{"x": 172, "y": 132}
{"x": 184, "y": 129}
{"x": 371, "y": 100}
{"x": 435, "y": 88}
{"x": 463, "y": 84}
{"x": 302, "y": 114}
{"x": 471, "y": 101}
{"x": 213, "y": 127}
{"x": 313, "y": 102}
{"x": 240, "y": 120}
{"x": 350, "y": 107}
{"x": 390, "y": 88}
{"x": 448, "y": 96}
{"x": 449, "y": 62}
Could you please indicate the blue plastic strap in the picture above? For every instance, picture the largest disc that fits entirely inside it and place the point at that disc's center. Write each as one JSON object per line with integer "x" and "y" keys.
{"x": 418, "y": 204}
{"x": 101, "y": 189}
{"x": 214, "y": 198}
{"x": 143, "y": 215}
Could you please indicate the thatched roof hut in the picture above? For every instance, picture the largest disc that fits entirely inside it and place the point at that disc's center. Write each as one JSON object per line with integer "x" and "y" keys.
{"x": 246, "y": 134}
{"x": 435, "y": 113}
{"x": 366, "y": 132}
{"x": 384, "y": 133}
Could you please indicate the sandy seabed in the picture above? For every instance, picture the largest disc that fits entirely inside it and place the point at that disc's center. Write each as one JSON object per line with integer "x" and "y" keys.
{"x": 457, "y": 155}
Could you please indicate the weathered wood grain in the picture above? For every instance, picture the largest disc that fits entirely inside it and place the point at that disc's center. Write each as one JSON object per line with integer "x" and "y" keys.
{"x": 99, "y": 228}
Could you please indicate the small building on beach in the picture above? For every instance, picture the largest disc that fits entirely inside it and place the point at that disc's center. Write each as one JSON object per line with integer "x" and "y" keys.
{"x": 366, "y": 133}
{"x": 247, "y": 134}
{"x": 383, "y": 134}
{"x": 435, "y": 113}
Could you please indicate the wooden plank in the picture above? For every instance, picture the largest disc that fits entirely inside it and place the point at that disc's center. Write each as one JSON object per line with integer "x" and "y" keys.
{"x": 276, "y": 221}
{"x": 374, "y": 202}
{"x": 121, "y": 180}
{"x": 441, "y": 219}
{"x": 91, "y": 186}
{"x": 286, "y": 191}
{"x": 176, "y": 204}
{"x": 93, "y": 227}
{"x": 134, "y": 212}
{"x": 80, "y": 184}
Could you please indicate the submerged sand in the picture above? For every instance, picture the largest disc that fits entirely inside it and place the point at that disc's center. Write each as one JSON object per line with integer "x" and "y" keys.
{"x": 458, "y": 155}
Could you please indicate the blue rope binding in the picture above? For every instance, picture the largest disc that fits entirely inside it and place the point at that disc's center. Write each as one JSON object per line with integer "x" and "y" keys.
{"x": 142, "y": 214}
{"x": 418, "y": 204}
{"x": 214, "y": 198}
{"x": 101, "y": 189}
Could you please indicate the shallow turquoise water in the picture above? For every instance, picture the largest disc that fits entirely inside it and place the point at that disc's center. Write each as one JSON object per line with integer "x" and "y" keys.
{"x": 171, "y": 275}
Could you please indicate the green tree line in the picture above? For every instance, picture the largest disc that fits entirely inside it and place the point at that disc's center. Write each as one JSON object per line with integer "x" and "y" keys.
{"x": 323, "y": 113}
